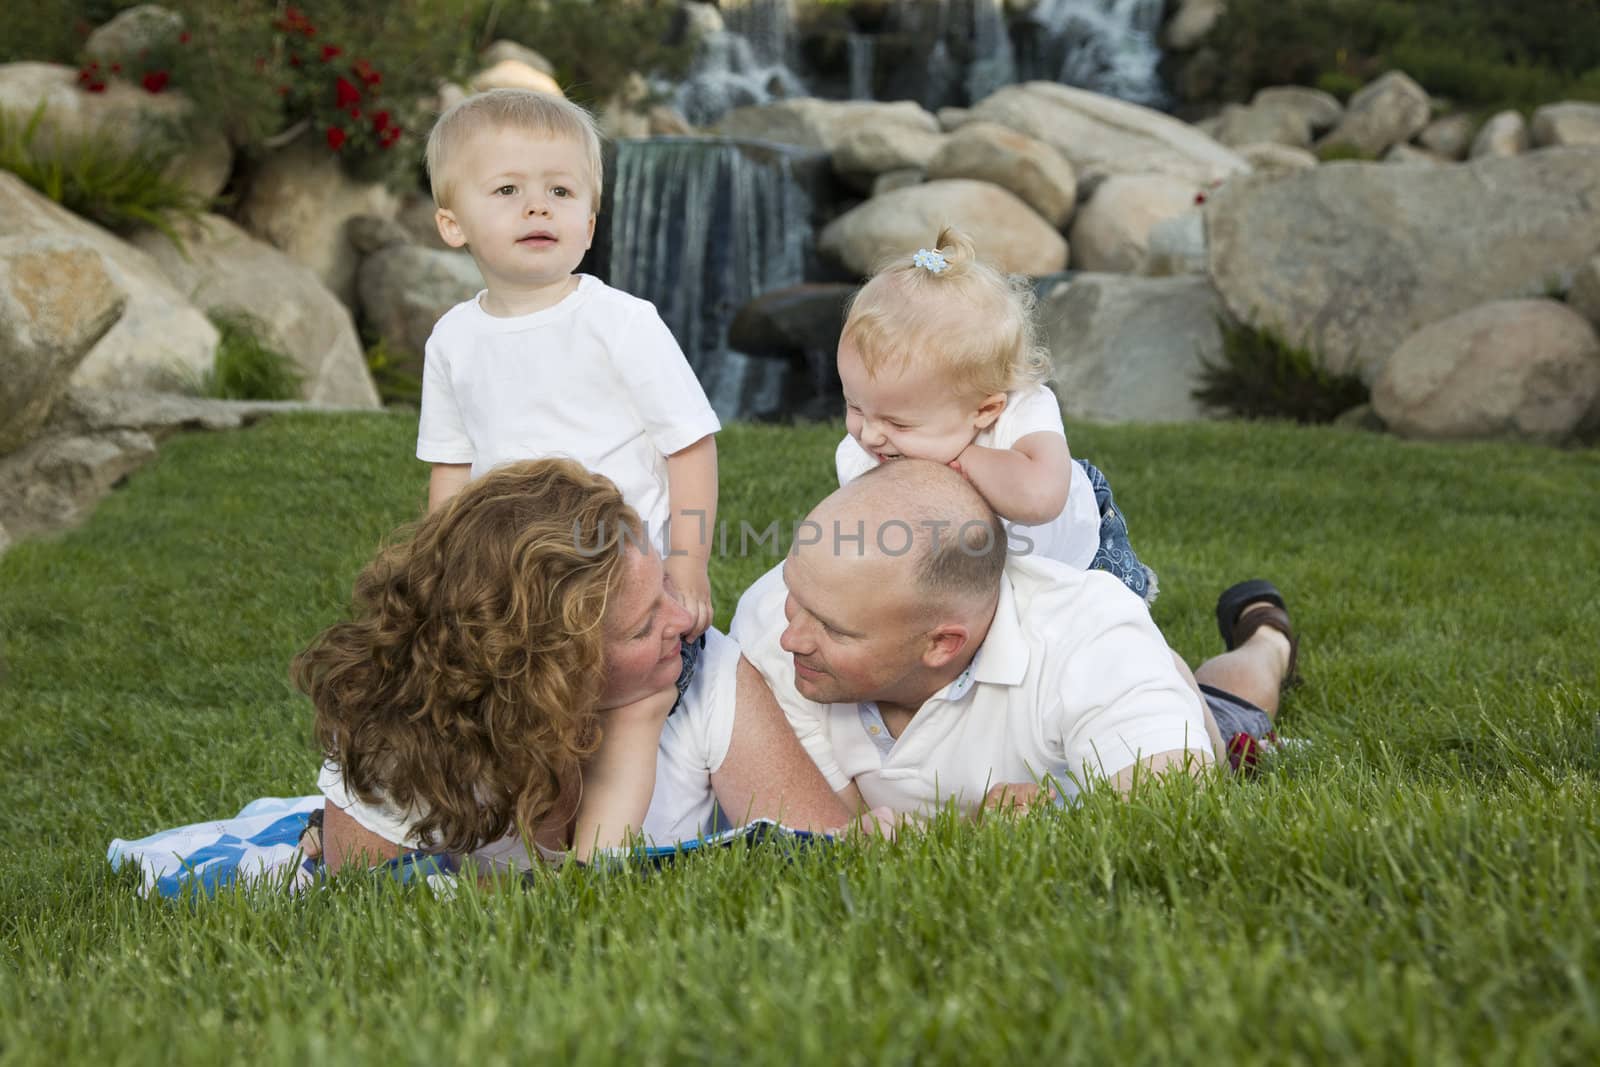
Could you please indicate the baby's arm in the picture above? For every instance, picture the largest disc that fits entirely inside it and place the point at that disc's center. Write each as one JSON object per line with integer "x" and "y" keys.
{"x": 619, "y": 779}
{"x": 692, "y": 496}
{"x": 1026, "y": 483}
{"x": 445, "y": 481}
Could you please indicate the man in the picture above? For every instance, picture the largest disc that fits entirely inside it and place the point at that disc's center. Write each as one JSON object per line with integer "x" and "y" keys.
{"x": 918, "y": 665}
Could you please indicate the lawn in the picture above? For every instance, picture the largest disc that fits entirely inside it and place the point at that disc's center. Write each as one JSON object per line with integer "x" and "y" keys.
{"x": 1418, "y": 883}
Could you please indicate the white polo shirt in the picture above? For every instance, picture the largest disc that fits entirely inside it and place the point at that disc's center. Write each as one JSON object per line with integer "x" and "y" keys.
{"x": 1073, "y": 536}
{"x": 694, "y": 743}
{"x": 1073, "y": 681}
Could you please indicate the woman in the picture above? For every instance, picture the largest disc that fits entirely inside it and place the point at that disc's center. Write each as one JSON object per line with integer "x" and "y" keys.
{"x": 509, "y": 689}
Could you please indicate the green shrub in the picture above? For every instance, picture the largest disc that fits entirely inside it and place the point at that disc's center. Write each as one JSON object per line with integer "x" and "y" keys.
{"x": 97, "y": 178}
{"x": 1482, "y": 53}
{"x": 1260, "y": 375}
{"x": 594, "y": 44}
{"x": 1336, "y": 152}
{"x": 246, "y": 368}
{"x": 397, "y": 374}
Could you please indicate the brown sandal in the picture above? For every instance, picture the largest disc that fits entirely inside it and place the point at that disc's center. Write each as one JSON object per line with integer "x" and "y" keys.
{"x": 1237, "y": 627}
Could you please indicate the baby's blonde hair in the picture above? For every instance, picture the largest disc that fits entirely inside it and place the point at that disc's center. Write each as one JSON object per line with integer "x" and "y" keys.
{"x": 524, "y": 109}
{"x": 968, "y": 321}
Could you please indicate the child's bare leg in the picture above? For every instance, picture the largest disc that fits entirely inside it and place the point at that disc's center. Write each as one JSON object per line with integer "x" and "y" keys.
{"x": 1256, "y": 669}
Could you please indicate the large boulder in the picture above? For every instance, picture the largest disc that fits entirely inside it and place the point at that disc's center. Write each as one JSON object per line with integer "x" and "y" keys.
{"x": 131, "y": 33}
{"x": 1352, "y": 258}
{"x": 822, "y": 124}
{"x": 160, "y": 340}
{"x": 299, "y": 201}
{"x": 1128, "y": 349}
{"x": 513, "y": 74}
{"x": 1521, "y": 369}
{"x": 404, "y": 289}
{"x": 56, "y": 300}
{"x": 1239, "y": 125}
{"x": 1448, "y": 137}
{"x": 226, "y": 272}
{"x": 1566, "y": 124}
{"x": 1112, "y": 231}
{"x": 1503, "y": 136}
{"x": 122, "y": 116}
{"x": 1101, "y": 136}
{"x": 1389, "y": 111}
{"x": 1005, "y": 231}
{"x": 1177, "y": 246}
{"x": 1321, "y": 111}
{"x": 502, "y": 50}
{"x": 1584, "y": 297}
{"x": 867, "y": 150}
{"x": 1190, "y": 23}
{"x": 1277, "y": 158}
{"x": 989, "y": 152}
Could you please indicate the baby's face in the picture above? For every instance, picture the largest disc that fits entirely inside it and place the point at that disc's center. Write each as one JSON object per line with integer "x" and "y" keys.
{"x": 901, "y": 413}
{"x": 524, "y": 205}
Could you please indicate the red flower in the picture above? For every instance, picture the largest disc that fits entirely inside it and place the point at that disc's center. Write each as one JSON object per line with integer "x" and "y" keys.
{"x": 388, "y": 137}
{"x": 380, "y": 121}
{"x": 294, "y": 61}
{"x": 1199, "y": 198}
{"x": 154, "y": 81}
{"x": 116, "y": 68}
{"x": 355, "y": 113}
{"x": 345, "y": 93}
{"x": 283, "y": 90}
{"x": 96, "y": 87}
{"x": 329, "y": 51}
{"x": 336, "y": 138}
{"x": 364, "y": 71}
{"x": 183, "y": 38}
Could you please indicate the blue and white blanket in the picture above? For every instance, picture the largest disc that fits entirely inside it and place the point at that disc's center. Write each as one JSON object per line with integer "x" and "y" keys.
{"x": 260, "y": 846}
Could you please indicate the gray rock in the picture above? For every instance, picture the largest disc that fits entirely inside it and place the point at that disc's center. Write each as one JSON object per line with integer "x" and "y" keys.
{"x": 792, "y": 322}
{"x": 131, "y": 32}
{"x": 1584, "y": 296}
{"x": 1101, "y": 136}
{"x": 160, "y": 338}
{"x": 892, "y": 180}
{"x": 1112, "y": 231}
{"x": 867, "y": 150}
{"x": 1350, "y": 259}
{"x": 813, "y": 123}
{"x": 227, "y": 272}
{"x": 1321, "y": 111}
{"x": 404, "y": 289}
{"x": 1238, "y": 126}
{"x": 502, "y": 50}
{"x": 1566, "y": 124}
{"x": 1177, "y": 245}
{"x": 370, "y": 233}
{"x": 1005, "y": 231}
{"x": 124, "y": 116}
{"x": 56, "y": 301}
{"x": 1525, "y": 370}
{"x": 1449, "y": 137}
{"x": 1271, "y": 159}
{"x": 1411, "y": 156}
{"x": 1389, "y": 111}
{"x": 299, "y": 202}
{"x": 1503, "y": 136}
{"x": 1190, "y": 23}
{"x": 989, "y": 152}
{"x": 1128, "y": 349}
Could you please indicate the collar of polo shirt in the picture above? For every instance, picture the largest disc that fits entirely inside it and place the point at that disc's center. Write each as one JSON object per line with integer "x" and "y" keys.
{"x": 1002, "y": 659}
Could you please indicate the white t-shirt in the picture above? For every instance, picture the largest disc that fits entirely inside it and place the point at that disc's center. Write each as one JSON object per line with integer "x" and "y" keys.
{"x": 1073, "y": 681}
{"x": 597, "y": 377}
{"x": 1073, "y": 536}
{"x": 694, "y": 743}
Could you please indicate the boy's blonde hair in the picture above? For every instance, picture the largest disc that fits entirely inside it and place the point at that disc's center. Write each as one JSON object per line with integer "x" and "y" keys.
{"x": 968, "y": 321}
{"x": 524, "y": 109}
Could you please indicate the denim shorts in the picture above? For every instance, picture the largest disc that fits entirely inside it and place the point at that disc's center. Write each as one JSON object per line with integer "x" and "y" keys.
{"x": 1115, "y": 555}
{"x": 691, "y": 652}
{"x": 1245, "y": 728}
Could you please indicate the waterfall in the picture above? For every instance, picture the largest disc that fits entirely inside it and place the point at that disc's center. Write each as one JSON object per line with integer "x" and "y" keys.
{"x": 1109, "y": 46}
{"x": 701, "y": 226}
{"x": 994, "y": 63}
{"x": 747, "y": 61}
{"x": 860, "y": 47}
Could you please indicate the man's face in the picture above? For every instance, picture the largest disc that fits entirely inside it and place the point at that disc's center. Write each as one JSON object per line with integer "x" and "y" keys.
{"x": 855, "y": 631}
{"x": 523, "y": 204}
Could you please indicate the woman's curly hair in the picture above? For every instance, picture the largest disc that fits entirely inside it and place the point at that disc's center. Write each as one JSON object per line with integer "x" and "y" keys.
{"x": 464, "y": 687}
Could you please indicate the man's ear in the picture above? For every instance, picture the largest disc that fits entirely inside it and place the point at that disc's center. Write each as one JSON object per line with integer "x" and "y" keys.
{"x": 945, "y": 643}
{"x": 989, "y": 410}
{"x": 449, "y": 228}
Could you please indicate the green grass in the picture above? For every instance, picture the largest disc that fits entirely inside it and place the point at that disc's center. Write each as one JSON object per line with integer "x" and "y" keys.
{"x": 1421, "y": 884}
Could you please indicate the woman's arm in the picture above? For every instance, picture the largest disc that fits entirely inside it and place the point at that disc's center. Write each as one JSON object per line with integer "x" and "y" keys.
{"x": 346, "y": 841}
{"x": 766, "y": 774}
{"x": 620, "y": 778}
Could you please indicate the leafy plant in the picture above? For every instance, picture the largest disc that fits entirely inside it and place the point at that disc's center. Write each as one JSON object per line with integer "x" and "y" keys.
{"x": 395, "y": 374}
{"x": 1336, "y": 152}
{"x": 1261, "y": 375}
{"x": 98, "y": 177}
{"x": 594, "y": 44}
{"x": 246, "y": 368}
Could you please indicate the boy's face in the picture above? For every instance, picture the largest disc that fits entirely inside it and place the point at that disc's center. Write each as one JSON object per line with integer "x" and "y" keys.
{"x": 523, "y": 204}
{"x": 901, "y": 413}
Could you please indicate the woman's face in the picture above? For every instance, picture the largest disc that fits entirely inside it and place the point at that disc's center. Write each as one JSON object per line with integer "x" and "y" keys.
{"x": 644, "y": 625}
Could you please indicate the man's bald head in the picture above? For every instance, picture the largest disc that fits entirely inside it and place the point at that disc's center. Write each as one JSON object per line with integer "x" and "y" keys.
{"x": 930, "y": 520}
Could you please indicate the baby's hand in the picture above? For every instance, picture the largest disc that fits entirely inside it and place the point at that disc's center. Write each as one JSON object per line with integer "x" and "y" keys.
{"x": 694, "y": 591}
